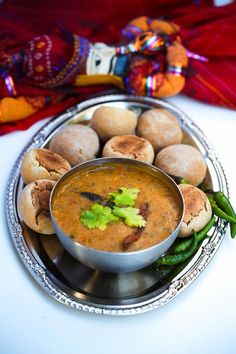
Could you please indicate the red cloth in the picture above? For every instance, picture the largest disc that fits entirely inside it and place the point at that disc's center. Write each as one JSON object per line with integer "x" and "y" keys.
{"x": 206, "y": 30}
{"x": 211, "y": 32}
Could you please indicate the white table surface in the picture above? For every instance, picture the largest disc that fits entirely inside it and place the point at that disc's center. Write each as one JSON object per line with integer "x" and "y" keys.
{"x": 201, "y": 320}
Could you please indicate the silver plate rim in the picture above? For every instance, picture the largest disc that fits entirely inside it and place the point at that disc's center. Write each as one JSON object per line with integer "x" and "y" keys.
{"x": 39, "y": 271}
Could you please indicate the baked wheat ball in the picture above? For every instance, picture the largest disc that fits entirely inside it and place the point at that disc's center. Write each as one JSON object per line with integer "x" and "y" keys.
{"x": 43, "y": 164}
{"x": 198, "y": 210}
{"x": 34, "y": 206}
{"x": 75, "y": 143}
{"x": 182, "y": 161}
{"x": 129, "y": 146}
{"x": 160, "y": 127}
{"x": 111, "y": 121}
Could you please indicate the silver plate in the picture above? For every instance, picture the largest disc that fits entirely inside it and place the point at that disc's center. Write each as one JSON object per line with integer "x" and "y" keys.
{"x": 75, "y": 285}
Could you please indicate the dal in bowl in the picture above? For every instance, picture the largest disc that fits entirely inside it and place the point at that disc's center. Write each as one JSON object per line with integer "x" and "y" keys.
{"x": 120, "y": 246}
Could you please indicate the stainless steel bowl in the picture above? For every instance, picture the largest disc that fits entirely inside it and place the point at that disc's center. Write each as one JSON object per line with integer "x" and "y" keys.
{"x": 116, "y": 262}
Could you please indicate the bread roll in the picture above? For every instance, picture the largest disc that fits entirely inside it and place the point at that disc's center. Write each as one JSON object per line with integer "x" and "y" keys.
{"x": 43, "y": 164}
{"x": 129, "y": 146}
{"x": 75, "y": 143}
{"x": 198, "y": 210}
{"x": 160, "y": 127}
{"x": 182, "y": 161}
{"x": 111, "y": 121}
{"x": 34, "y": 206}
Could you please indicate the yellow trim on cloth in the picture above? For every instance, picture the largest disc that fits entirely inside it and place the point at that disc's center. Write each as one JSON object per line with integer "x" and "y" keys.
{"x": 83, "y": 80}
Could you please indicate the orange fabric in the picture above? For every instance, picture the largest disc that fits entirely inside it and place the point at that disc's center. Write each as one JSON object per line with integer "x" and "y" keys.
{"x": 12, "y": 109}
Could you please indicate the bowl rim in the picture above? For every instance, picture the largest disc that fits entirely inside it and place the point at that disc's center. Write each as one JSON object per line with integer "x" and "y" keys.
{"x": 117, "y": 160}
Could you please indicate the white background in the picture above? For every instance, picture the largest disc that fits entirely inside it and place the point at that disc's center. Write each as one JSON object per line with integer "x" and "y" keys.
{"x": 201, "y": 320}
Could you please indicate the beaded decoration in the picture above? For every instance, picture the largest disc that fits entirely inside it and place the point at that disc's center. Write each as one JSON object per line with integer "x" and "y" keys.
{"x": 146, "y": 43}
{"x": 46, "y": 69}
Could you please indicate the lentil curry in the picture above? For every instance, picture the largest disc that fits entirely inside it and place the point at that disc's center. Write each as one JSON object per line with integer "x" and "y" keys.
{"x": 162, "y": 215}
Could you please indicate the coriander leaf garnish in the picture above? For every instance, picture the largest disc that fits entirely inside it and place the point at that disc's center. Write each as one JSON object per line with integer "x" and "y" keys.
{"x": 125, "y": 196}
{"x": 130, "y": 215}
{"x": 97, "y": 217}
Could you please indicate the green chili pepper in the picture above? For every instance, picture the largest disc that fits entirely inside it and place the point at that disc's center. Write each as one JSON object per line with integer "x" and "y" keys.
{"x": 224, "y": 203}
{"x": 173, "y": 259}
{"x": 182, "y": 246}
{"x": 183, "y": 181}
{"x": 179, "y": 180}
{"x": 205, "y": 189}
{"x": 219, "y": 212}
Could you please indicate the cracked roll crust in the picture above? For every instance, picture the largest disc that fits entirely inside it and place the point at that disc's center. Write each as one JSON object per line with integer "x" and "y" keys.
{"x": 160, "y": 127}
{"x": 183, "y": 161}
{"x": 111, "y": 121}
{"x": 34, "y": 206}
{"x": 129, "y": 146}
{"x": 43, "y": 164}
{"x": 198, "y": 210}
{"x": 75, "y": 143}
